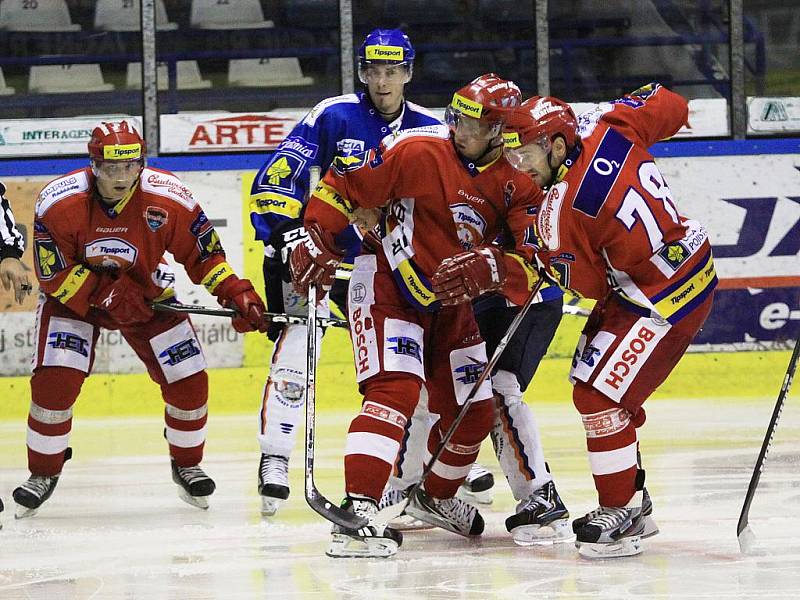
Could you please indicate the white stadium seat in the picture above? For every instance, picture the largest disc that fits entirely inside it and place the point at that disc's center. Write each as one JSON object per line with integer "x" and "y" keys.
{"x": 65, "y": 79}
{"x": 36, "y": 15}
{"x": 4, "y": 89}
{"x": 266, "y": 72}
{"x": 228, "y": 14}
{"x": 125, "y": 15}
{"x": 188, "y": 72}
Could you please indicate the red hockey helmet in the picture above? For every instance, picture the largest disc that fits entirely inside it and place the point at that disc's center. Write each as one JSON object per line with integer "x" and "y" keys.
{"x": 116, "y": 141}
{"x": 541, "y": 118}
{"x": 488, "y": 99}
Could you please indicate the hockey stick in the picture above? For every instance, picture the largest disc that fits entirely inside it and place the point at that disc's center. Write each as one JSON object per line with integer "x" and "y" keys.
{"x": 575, "y": 310}
{"x": 745, "y": 535}
{"x": 229, "y": 312}
{"x": 395, "y": 510}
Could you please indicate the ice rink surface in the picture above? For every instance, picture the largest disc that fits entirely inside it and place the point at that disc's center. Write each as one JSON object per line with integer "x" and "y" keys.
{"x": 115, "y": 529}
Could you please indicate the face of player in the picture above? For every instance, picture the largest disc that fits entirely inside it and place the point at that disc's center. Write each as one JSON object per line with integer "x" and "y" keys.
{"x": 385, "y": 85}
{"x": 473, "y": 137}
{"x": 536, "y": 159}
{"x": 116, "y": 178}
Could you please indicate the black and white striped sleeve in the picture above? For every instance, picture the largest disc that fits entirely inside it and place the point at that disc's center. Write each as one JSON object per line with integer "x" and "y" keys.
{"x": 11, "y": 240}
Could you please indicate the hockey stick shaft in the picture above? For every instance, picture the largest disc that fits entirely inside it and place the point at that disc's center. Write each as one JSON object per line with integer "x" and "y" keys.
{"x": 762, "y": 456}
{"x": 229, "y": 312}
{"x": 395, "y": 510}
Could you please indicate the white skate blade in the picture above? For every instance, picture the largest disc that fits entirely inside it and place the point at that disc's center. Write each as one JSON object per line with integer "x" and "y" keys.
{"x": 344, "y": 546}
{"x": 557, "y": 532}
{"x": 485, "y": 497}
{"x": 269, "y": 506}
{"x": 23, "y": 512}
{"x": 650, "y": 527}
{"x": 200, "y": 502}
{"x": 629, "y": 546}
{"x": 408, "y": 523}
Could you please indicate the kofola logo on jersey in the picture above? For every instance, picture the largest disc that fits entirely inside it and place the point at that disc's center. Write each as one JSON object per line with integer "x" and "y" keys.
{"x": 244, "y": 131}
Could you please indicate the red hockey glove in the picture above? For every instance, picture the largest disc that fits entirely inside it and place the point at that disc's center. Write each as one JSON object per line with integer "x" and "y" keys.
{"x": 239, "y": 295}
{"x": 123, "y": 299}
{"x": 315, "y": 260}
{"x": 467, "y": 275}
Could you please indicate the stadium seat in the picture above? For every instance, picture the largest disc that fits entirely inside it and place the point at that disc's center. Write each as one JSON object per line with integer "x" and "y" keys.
{"x": 456, "y": 68}
{"x": 188, "y": 72}
{"x": 266, "y": 72}
{"x": 4, "y": 89}
{"x": 228, "y": 14}
{"x": 508, "y": 12}
{"x": 423, "y": 13}
{"x": 124, "y": 15}
{"x": 38, "y": 15}
{"x": 305, "y": 14}
{"x": 65, "y": 79}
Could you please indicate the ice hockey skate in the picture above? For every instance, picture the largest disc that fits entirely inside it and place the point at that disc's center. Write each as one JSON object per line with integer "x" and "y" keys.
{"x": 273, "y": 482}
{"x": 1, "y": 511}
{"x": 403, "y": 522}
{"x": 452, "y": 514}
{"x": 611, "y": 532}
{"x": 376, "y": 540}
{"x": 32, "y": 494}
{"x": 477, "y": 487}
{"x": 194, "y": 486}
{"x": 540, "y": 519}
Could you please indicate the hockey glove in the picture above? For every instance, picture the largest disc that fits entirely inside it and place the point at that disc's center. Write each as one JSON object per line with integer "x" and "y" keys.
{"x": 284, "y": 239}
{"x": 239, "y": 295}
{"x": 123, "y": 299}
{"x": 315, "y": 260}
{"x": 467, "y": 275}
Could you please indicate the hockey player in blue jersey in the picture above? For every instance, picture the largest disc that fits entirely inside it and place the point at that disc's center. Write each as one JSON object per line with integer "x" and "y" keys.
{"x": 337, "y": 126}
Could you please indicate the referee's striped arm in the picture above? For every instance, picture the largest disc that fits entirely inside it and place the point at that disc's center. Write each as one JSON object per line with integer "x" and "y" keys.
{"x": 11, "y": 241}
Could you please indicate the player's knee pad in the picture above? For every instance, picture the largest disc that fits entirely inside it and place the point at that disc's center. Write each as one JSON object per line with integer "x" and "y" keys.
{"x": 476, "y": 425}
{"x": 398, "y": 393}
{"x": 601, "y": 416}
{"x": 590, "y": 401}
{"x": 188, "y": 393}
{"x": 506, "y": 387}
{"x": 56, "y": 388}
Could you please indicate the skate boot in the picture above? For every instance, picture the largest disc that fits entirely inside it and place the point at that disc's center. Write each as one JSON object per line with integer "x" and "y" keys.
{"x": 452, "y": 514}
{"x": 541, "y": 518}
{"x": 273, "y": 482}
{"x": 1, "y": 511}
{"x": 194, "y": 486}
{"x": 38, "y": 488}
{"x": 610, "y": 531}
{"x": 403, "y": 522}
{"x": 477, "y": 487}
{"x": 376, "y": 540}
{"x": 32, "y": 494}
{"x": 650, "y": 526}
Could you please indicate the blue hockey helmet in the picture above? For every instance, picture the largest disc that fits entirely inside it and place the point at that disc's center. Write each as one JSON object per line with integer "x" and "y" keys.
{"x": 385, "y": 47}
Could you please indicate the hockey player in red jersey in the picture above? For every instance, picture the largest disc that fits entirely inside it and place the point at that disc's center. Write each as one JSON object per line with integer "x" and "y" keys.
{"x": 100, "y": 234}
{"x": 611, "y": 231}
{"x": 444, "y": 198}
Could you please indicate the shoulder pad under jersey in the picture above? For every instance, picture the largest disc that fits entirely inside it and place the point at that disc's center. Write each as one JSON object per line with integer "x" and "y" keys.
{"x": 58, "y": 189}
{"x": 430, "y": 131}
{"x": 422, "y": 110}
{"x": 167, "y": 185}
{"x": 311, "y": 118}
{"x": 587, "y": 121}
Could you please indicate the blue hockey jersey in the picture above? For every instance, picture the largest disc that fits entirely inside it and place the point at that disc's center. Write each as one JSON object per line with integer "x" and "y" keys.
{"x": 337, "y": 126}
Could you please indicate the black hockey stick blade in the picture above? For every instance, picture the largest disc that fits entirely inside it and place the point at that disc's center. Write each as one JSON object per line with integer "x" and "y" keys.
{"x": 745, "y": 535}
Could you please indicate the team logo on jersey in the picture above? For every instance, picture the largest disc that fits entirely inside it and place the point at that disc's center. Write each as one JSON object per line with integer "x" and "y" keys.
{"x": 155, "y": 216}
{"x": 358, "y": 293}
{"x": 343, "y": 164}
{"x": 628, "y": 101}
{"x": 49, "y": 260}
{"x": 471, "y": 372}
{"x": 66, "y": 340}
{"x": 349, "y": 146}
{"x": 590, "y": 354}
{"x": 674, "y": 254}
{"x": 110, "y": 254}
{"x": 406, "y": 346}
{"x": 209, "y": 243}
{"x": 198, "y": 223}
{"x": 470, "y": 225}
{"x": 302, "y": 147}
{"x": 177, "y": 353}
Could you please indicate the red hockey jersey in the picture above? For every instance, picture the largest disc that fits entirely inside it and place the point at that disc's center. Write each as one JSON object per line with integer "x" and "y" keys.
{"x": 611, "y": 224}
{"x": 77, "y": 237}
{"x": 435, "y": 205}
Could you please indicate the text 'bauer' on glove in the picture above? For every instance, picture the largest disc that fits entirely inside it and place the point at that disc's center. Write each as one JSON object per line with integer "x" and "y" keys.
{"x": 122, "y": 298}
{"x": 467, "y": 275}
{"x": 239, "y": 295}
{"x": 315, "y": 260}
